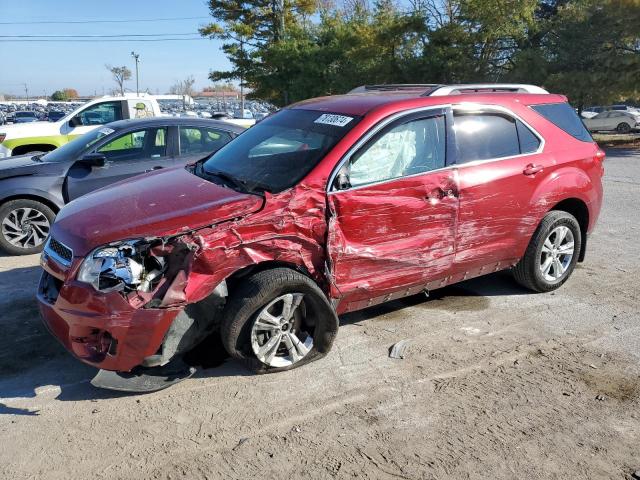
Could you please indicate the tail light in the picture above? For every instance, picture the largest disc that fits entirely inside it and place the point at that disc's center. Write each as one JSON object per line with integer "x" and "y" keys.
{"x": 599, "y": 158}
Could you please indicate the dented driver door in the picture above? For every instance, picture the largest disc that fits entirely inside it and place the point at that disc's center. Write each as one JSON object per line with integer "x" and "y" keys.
{"x": 393, "y": 213}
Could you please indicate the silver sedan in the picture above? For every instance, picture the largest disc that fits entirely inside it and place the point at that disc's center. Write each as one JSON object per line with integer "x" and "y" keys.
{"x": 621, "y": 122}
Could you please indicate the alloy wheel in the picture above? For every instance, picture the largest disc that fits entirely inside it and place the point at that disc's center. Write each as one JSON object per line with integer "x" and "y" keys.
{"x": 25, "y": 227}
{"x": 557, "y": 253}
{"x": 280, "y": 335}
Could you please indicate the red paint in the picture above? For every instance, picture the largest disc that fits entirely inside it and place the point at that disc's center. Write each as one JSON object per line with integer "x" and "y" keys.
{"x": 380, "y": 242}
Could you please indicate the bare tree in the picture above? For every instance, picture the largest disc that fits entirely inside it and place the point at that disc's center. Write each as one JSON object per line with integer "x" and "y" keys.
{"x": 120, "y": 75}
{"x": 184, "y": 88}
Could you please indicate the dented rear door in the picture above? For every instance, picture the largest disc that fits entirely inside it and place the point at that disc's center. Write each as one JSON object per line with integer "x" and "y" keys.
{"x": 392, "y": 226}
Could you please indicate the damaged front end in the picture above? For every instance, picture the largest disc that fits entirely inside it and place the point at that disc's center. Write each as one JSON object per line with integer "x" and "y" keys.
{"x": 150, "y": 274}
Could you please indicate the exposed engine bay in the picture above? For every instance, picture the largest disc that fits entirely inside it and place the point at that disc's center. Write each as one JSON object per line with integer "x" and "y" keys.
{"x": 126, "y": 267}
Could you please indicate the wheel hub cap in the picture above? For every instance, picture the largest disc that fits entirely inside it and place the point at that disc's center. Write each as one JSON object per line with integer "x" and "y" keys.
{"x": 278, "y": 336}
{"x": 25, "y": 227}
{"x": 556, "y": 254}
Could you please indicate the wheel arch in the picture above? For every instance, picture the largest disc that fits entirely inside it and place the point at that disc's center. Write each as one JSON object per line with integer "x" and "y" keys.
{"x": 569, "y": 189}
{"x": 254, "y": 268}
{"x": 41, "y": 147}
{"x": 42, "y": 198}
{"x": 578, "y": 208}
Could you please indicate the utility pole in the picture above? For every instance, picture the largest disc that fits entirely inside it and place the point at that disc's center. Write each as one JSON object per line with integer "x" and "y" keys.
{"x": 136, "y": 57}
{"x": 242, "y": 78}
{"x": 26, "y": 91}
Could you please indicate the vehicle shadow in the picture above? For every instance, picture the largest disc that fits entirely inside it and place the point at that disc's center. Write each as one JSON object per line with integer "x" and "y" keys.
{"x": 470, "y": 295}
{"x": 622, "y": 152}
{"x": 33, "y": 363}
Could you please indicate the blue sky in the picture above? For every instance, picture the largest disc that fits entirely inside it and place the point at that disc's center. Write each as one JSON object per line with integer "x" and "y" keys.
{"x": 48, "y": 66}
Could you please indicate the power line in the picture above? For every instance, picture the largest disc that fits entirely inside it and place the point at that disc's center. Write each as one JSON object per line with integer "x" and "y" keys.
{"x": 104, "y": 21}
{"x": 119, "y": 35}
{"x": 81, "y": 40}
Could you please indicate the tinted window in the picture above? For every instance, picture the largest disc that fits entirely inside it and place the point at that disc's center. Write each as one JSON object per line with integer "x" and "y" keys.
{"x": 101, "y": 113}
{"x": 195, "y": 140}
{"x": 482, "y": 136}
{"x": 136, "y": 145}
{"x": 70, "y": 151}
{"x": 564, "y": 117}
{"x": 264, "y": 155}
{"x": 529, "y": 143}
{"x": 407, "y": 149}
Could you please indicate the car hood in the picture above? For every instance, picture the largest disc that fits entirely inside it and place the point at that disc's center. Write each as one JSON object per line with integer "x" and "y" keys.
{"x": 158, "y": 204}
{"x": 25, "y": 165}
{"x": 30, "y": 129}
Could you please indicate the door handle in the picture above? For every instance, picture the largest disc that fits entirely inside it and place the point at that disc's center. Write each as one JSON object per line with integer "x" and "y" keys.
{"x": 439, "y": 193}
{"x": 532, "y": 169}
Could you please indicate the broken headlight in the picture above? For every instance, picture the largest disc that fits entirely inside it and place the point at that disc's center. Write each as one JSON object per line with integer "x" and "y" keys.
{"x": 125, "y": 266}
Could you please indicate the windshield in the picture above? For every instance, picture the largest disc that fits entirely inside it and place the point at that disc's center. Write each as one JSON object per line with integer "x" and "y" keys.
{"x": 71, "y": 150}
{"x": 279, "y": 151}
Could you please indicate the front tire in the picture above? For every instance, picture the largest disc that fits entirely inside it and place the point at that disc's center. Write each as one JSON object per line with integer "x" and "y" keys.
{"x": 24, "y": 226}
{"x": 552, "y": 253}
{"x": 277, "y": 320}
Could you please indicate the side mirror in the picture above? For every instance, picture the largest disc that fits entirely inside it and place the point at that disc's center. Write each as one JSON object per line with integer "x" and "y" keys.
{"x": 75, "y": 121}
{"x": 94, "y": 160}
{"x": 342, "y": 180}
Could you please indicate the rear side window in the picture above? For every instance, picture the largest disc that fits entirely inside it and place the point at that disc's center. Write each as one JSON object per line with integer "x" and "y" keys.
{"x": 564, "y": 117}
{"x": 529, "y": 143}
{"x": 482, "y": 136}
{"x": 196, "y": 140}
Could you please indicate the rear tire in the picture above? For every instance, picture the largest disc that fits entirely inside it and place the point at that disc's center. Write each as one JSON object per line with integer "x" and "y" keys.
{"x": 256, "y": 316}
{"x": 24, "y": 226}
{"x": 623, "y": 128}
{"x": 552, "y": 253}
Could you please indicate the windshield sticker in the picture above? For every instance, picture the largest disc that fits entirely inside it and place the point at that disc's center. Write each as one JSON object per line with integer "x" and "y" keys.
{"x": 331, "y": 119}
{"x": 106, "y": 130}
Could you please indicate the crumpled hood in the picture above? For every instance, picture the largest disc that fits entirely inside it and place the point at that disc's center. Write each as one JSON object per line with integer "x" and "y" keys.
{"x": 161, "y": 203}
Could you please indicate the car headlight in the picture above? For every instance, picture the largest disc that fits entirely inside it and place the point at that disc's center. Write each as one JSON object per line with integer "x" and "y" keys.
{"x": 124, "y": 266}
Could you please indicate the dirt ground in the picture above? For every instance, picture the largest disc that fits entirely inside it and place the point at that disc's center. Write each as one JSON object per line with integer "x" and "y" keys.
{"x": 497, "y": 383}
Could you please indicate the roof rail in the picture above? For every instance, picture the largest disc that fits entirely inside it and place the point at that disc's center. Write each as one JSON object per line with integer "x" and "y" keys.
{"x": 484, "y": 88}
{"x": 396, "y": 87}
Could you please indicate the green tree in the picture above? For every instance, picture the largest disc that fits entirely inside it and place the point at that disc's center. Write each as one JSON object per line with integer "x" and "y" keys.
{"x": 588, "y": 50}
{"x": 59, "y": 96}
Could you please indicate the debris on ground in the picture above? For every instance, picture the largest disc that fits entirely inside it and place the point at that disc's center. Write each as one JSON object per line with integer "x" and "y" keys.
{"x": 240, "y": 443}
{"x": 399, "y": 349}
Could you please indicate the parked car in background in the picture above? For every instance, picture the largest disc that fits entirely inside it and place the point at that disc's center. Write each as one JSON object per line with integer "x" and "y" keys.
{"x": 590, "y": 112}
{"x": 34, "y": 187}
{"x": 25, "y": 117}
{"x": 328, "y": 206}
{"x": 55, "y": 115}
{"x": 46, "y": 136}
{"x": 624, "y": 108}
{"x": 245, "y": 114}
{"x": 613, "y": 120}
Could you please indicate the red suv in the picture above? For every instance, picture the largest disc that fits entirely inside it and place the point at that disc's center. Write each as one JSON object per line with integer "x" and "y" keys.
{"x": 329, "y": 206}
